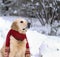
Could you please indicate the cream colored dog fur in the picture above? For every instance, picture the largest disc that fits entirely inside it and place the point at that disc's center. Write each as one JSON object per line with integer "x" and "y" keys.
{"x": 17, "y": 48}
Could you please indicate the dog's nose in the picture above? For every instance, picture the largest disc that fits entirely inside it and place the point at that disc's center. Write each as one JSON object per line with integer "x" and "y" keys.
{"x": 29, "y": 25}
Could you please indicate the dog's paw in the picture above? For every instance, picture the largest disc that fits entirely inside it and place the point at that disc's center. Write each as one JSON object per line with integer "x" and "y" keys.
{"x": 7, "y": 50}
{"x": 28, "y": 55}
{"x": 6, "y": 54}
{"x": 0, "y": 54}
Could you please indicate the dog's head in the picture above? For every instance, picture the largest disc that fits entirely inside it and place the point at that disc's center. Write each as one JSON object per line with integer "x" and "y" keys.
{"x": 20, "y": 25}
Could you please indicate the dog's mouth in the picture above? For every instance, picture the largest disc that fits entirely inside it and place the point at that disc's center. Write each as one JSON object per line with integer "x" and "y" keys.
{"x": 24, "y": 28}
{"x": 27, "y": 27}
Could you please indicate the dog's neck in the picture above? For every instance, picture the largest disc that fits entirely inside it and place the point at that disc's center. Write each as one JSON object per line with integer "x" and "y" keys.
{"x": 22, "y": 32}
{"x": 16, "y": 35}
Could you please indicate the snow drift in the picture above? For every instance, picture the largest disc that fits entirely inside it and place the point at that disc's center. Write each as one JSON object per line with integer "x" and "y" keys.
{"x": 40, "y": 44}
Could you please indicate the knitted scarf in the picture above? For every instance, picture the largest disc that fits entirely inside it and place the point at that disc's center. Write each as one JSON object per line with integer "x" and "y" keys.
{"x": 17, "y": 36}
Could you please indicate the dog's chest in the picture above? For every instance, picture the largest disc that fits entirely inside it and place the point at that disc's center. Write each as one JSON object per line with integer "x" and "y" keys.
{"x": 17, "y": 43}
{"x": 19, "y": 47}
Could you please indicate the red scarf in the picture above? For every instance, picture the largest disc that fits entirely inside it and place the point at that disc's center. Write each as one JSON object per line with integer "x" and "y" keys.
{"x": 17, "y": 36}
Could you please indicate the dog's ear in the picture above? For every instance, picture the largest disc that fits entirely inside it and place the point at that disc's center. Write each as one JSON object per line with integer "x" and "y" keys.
{"x": 14, "y": 26}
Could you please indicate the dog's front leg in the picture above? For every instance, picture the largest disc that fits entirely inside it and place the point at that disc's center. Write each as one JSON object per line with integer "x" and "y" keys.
{"x": 12, "y": 54}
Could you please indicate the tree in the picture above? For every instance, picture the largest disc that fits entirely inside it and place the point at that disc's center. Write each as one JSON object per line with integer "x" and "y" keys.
{"x": 45, "y": 10}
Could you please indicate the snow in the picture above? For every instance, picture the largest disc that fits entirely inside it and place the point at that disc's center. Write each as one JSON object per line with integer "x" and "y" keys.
{"x": 15, "y": 11}
{"x": 0, "y": 1}
{"x": 32, "y": 0}
{"x": 58, "y": 0}
{"x": 40, "y": 44}
{"x": 37, "y": 4}
{"x": 50, "y": 5}
{"x": 43, "y": 44}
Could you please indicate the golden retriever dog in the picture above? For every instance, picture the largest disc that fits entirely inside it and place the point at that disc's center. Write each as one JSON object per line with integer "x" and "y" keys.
{"x": 17, "y": 47}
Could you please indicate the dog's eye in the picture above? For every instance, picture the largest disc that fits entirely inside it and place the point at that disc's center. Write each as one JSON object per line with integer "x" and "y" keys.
{"x": 21, "y": 21}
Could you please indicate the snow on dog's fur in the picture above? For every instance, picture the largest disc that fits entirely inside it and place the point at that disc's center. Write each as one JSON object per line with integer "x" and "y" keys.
{"x": 17, "y": 48}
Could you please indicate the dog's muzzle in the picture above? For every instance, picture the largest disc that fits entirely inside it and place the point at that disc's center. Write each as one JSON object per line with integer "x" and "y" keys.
{"x": 29, "y": 25}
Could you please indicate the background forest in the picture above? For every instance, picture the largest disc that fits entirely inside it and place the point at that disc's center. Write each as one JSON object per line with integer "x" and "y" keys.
{"x": 46, "y": 11}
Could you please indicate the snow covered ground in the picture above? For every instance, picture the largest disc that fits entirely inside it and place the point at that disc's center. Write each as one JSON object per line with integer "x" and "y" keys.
{"x": 47, "y": 46}
{"x": 40, "y": 44}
